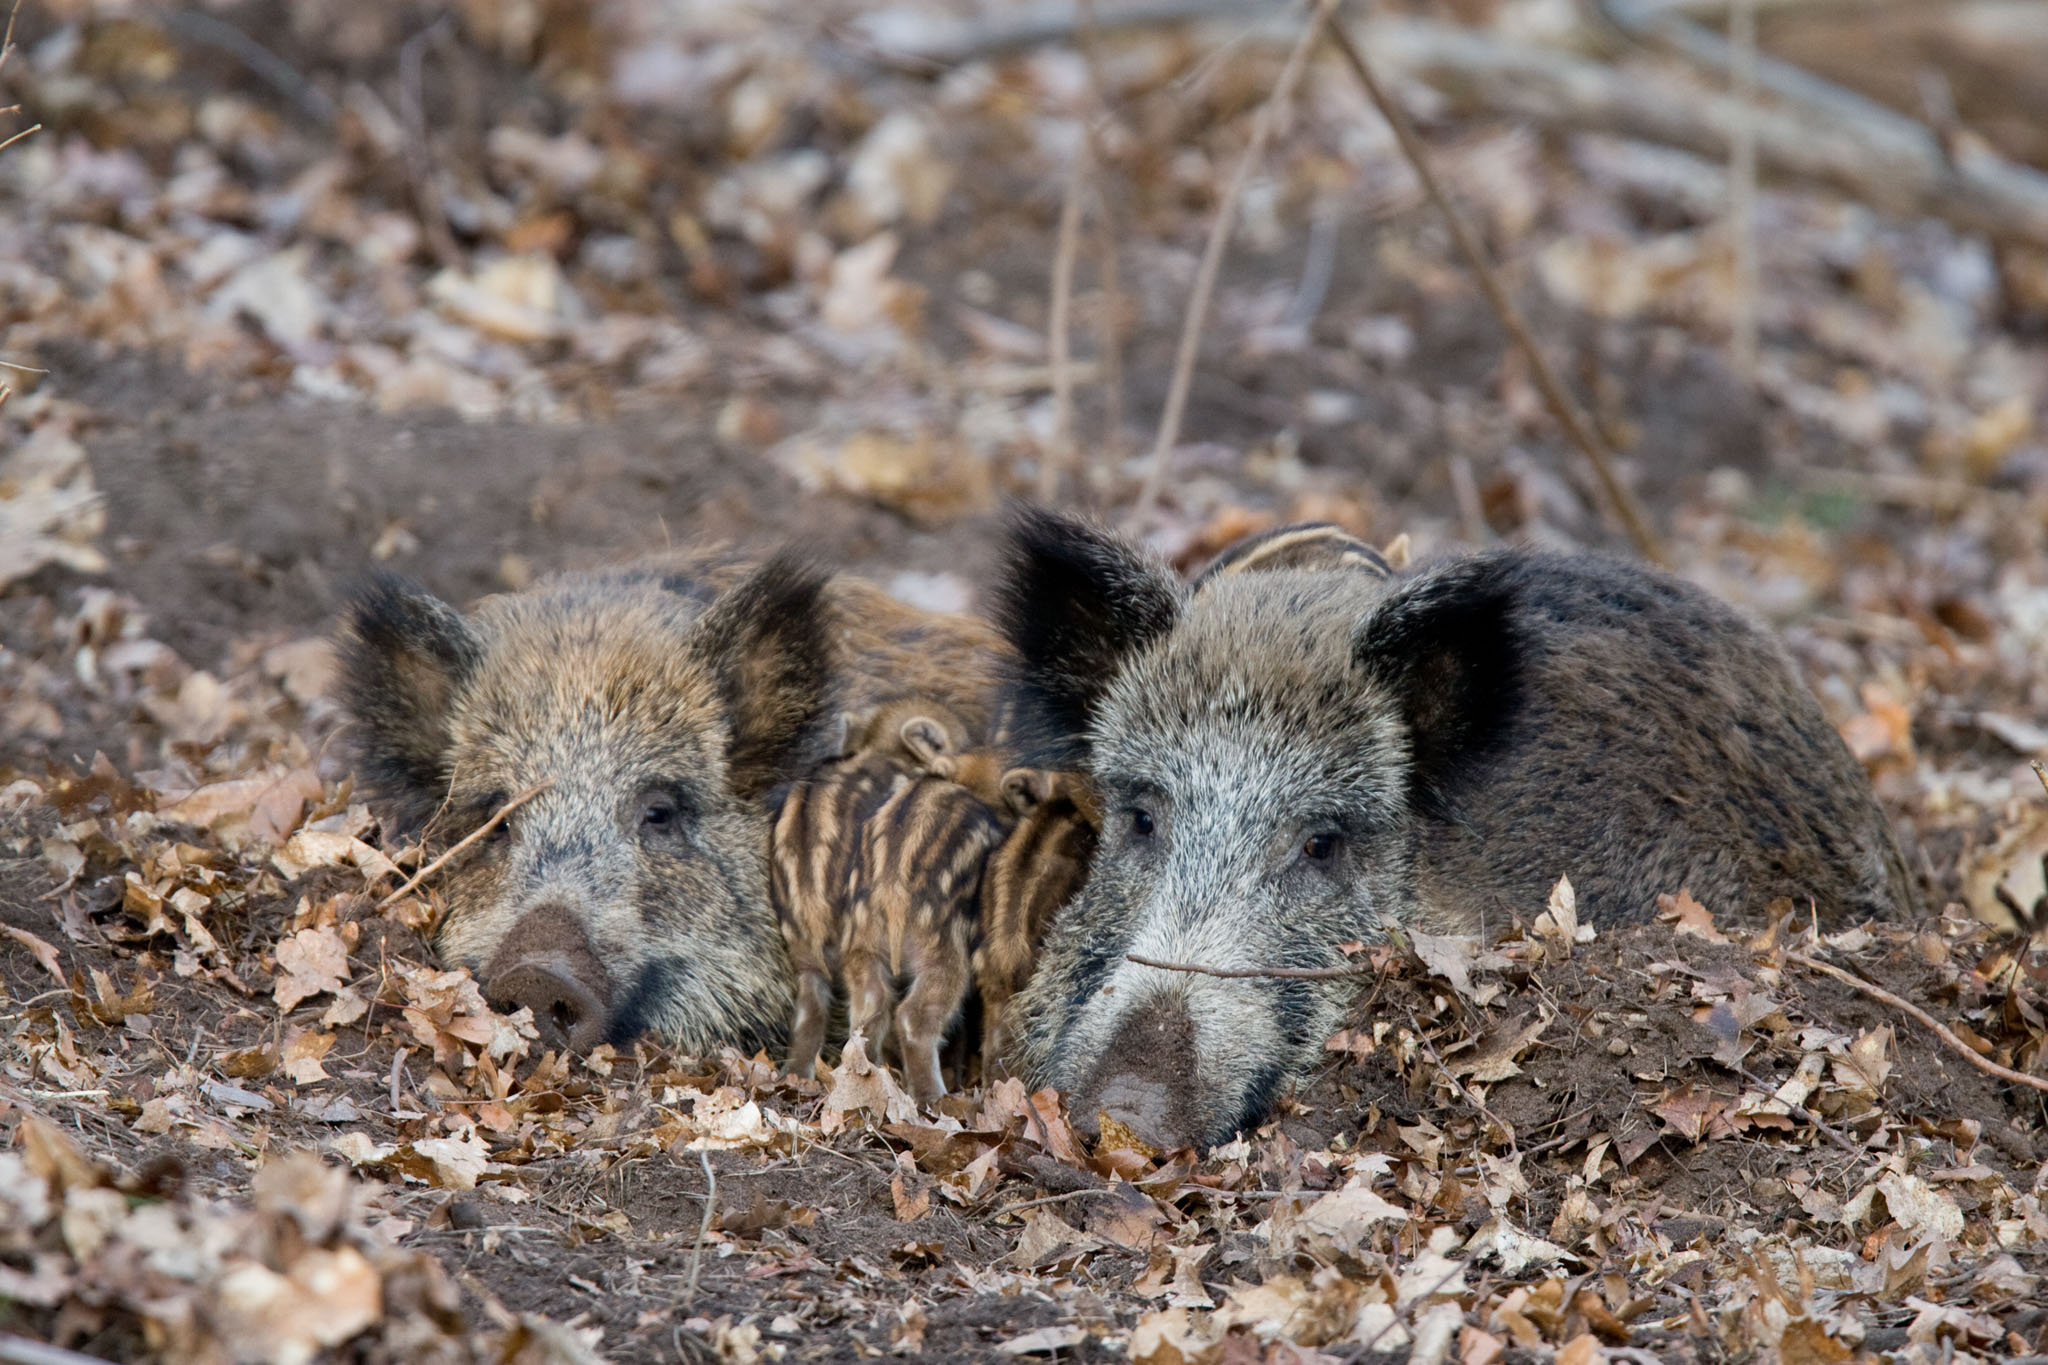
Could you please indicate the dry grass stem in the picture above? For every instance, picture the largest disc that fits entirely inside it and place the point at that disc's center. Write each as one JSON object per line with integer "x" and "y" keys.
{"x": 1264, "y": 124}
{"x": 32, "y": 128}
{"x": 1109, "y": 343}
{"x": 703, "y": 1227}
{"x": 420, "y": 167}
{"x": 1906, "y": 1007}
{"x": 1743, "y": 343}
{"x": 1561, "y": 404}
{"x": 1059, "y": 456}
{"x": 498, "y": 818}
{"x": 1257, "y": 973}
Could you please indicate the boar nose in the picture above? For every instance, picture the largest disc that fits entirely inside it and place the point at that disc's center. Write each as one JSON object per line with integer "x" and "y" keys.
{"x": 1146, "y": 1080}
{"x": 547, "y": 965}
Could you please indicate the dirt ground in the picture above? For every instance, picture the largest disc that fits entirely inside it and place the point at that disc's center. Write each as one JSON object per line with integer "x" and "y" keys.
{"x": 1678, "y": 1139}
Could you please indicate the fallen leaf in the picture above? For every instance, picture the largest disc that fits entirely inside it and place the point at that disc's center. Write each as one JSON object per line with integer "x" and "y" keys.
{"x": 310, "y": 962}
{"x": 861, "y": 1087}
{"x": 1687, "y": 916}
{"x": 43, "y": 953}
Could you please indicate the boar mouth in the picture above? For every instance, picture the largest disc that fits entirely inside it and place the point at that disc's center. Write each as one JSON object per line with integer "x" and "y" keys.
{"x": 547, "y": 965}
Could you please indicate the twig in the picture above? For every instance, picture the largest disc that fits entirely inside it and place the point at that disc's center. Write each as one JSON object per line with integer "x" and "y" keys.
{"x": 205, "y": 30}
{"x": 420, "y": 166}
{"x": 2041, "y": 772}
{"x": 1798, "y": 1111}
{"x": 1879, "y": 993}
{"x": 1109, "y": 274}
{"x": 703, "y": 1228}
{"x": 479, "y": 832}
{"x": 22, "y": 1351}
{"x": 1051, "y": 1199}
{"x": 1060, "y": 453}
{"x": 1561, "y": 405}
{"x": 32, "y": 128}
{"x": 1875, "y": 160}
{"x": 933, "y": 41}
{"x": 1264, "y": 124}
{"x": 1318, "y": 267}
{"x": 1109, "y": 330}
{"x": 1256, "y": 973}
{"x": 1742, "y": 348}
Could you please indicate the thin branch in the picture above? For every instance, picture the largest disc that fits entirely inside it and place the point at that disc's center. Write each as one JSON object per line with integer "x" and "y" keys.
{"x": 1109, "y": 274}
{"x": 22, "y": 1351}
{"x": 704, "y": 1227}
{"x": 934, "y": 41}
{"x": 1742, "y": 348}
{"x": 420, "y": 167}
{"x": 32, "y": 128}
{"x": 1059, "y": 455}
{"x": 1051, "y": 1199}
{"x": 1798, "y": 1111}
{"x": 1109, "y": 329}
{"x": 1264, "y": 124}
{"x": 1941, "y": 1030}
{"x": 479, "y": 832}
{"x": 205, "y": 30}
{"x": 1257, "y": 973}
{"x": 1561, "y": 405}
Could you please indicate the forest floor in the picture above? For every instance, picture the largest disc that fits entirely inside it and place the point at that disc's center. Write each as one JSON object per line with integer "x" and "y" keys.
{"x": 529, "y": 287}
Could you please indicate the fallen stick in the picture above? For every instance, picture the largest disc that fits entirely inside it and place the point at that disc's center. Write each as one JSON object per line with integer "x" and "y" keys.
{"x": 1255, "y": 973}
{"x": 703, "y": 1227}
{"x": 23, "y": 1351}
{"x": 1059, "y": 453}
{"x": 1906, "y": 1007}
{"x": 1264, "y": 124}
{"x": 479, "y": 832}
{"x": 1838, "y": 139}
{"x": 918, "y": 38}
{"x": 1561, "y": 404}
{"x": 1983, "y": 193}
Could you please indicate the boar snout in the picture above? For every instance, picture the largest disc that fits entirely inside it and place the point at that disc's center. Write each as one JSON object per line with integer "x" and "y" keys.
{"x": 1147, "y": 1077}
{"x": 546, "y": 964}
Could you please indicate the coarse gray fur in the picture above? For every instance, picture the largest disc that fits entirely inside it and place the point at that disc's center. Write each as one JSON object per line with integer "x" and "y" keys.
{"x": 1322, "y": 755}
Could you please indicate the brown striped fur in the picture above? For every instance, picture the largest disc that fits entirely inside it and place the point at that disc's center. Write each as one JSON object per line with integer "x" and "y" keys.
{"x": 665, "y": 705}
{"x": 914, "y": 918}
{"x": 1040, "y": 865}
{"x": 812, "y": 873}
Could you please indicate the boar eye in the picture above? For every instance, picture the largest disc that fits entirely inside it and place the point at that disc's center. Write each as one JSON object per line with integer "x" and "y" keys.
{"x": 1141, "y": 823}
{"x": 1319, "y": 848}
{"x": 658, "y": 811}
{"x": 489, "y": 807}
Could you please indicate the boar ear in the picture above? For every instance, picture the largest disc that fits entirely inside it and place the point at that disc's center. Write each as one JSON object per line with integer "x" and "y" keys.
{"x": 1025, "y": 789}
{"x": 925, "y": 740}
{"x": 1074, "y": 601}
{"x": 403, "y": 654}
{"x": 767, "y": 641}
{"x": 1446, "y": 647}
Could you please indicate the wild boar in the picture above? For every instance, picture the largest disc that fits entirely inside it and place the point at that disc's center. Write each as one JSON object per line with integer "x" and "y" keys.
{"x": 667, "y": 705}
{"x": 1292, "y": 759}
{"x": 914, "y": 920}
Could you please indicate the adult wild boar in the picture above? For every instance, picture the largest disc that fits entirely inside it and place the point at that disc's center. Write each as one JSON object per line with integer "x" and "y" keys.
{"x": 666, "y": 704}
{"x": 1294, "y": 758}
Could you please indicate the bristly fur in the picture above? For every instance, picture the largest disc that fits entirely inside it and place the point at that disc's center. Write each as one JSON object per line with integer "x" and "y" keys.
{"x": 1304, "y": 757}
{"x": 661, "y": 705}
{"x": 1449, "y": 648}
{"x": 403, "y": 655}
{"x": 770, "y": 642}
{"x": 1074, "y": 601}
